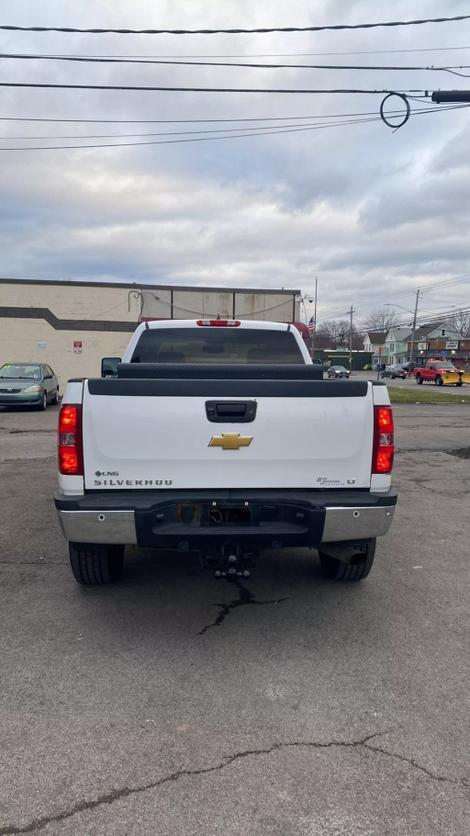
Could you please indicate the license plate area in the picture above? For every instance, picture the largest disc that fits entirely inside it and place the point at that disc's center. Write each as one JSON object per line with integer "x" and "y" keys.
{"x": 220, "y": 515}
{"x": 228, "y": 521}
{"x": 207, "y": 515}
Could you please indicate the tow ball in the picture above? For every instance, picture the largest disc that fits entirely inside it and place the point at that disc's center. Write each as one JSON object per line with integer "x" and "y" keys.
{"x": 230, "y": 562}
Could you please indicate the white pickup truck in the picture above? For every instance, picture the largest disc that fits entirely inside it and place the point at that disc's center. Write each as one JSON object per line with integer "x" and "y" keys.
{"x": 222, "y": 437}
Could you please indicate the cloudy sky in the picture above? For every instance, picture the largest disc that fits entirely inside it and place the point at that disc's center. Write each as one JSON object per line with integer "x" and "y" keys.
{"x": 374, "y": 214}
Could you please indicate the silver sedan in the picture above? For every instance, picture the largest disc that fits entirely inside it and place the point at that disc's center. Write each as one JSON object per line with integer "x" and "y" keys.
{"x": 28, "y": 384}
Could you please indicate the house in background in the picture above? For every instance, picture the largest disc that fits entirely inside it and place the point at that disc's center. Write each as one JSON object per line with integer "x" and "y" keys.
{"x": 395, "y": 349}
{"x": 439, "y": 340}
{"x": 374, "y": 342}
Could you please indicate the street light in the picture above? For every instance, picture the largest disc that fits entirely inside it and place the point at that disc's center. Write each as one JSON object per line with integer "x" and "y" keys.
{"x": 415, "y": 314}
{"x": 392, "y": 305}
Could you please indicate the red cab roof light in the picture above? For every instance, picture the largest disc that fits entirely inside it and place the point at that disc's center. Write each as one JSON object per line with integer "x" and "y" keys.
{"x": 70, "y": 449}
{"x": 219, "y": 323}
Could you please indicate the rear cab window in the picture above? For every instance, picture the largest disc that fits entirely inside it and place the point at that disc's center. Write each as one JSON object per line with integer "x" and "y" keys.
{"x": 216, "y": 345}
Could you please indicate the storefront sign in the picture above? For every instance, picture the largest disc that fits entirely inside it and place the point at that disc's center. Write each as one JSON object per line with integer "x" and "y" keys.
{"x": 452, "y": 344}
{"x": 423, "y": 346}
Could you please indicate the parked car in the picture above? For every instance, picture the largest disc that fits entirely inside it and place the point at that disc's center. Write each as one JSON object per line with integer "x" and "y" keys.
{"x": 28, "y": 384}
{"x": 338, "y": 371}
{"x": 395, "y": 370}
{"x": 411, "y": 365}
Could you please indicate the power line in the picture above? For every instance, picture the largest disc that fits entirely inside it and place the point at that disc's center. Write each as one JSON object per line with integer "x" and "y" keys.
{"x": 251, "y": 65}
{"x": 264, "y": 129}
{"x": 281, "y": 54}
{"x": 237, "y": 31}
{"x": 424, "y": 288}
{"x": 267, "y": 131}
{"x": 49, "y": 119}
{"x": 245, "y": 55}
{"x": 144, "y": 88}
{"x": 421, "y": 320}
{"x": 212, "y": 120}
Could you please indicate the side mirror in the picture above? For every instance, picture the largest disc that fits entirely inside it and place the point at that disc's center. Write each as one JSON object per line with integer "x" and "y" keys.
{"x": 109, "y": 366}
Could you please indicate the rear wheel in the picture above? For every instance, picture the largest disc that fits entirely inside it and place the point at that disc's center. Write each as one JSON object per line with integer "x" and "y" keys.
{"x": 419, "y": 379}
{"x": 96, "y": 565}
{"x": 356, "y": 570}
{"x": 55, "y": 399}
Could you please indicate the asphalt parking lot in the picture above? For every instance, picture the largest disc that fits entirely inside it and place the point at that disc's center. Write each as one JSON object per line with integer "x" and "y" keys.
{"x": 285, "y": 705}
{"x": 410, "y": 384}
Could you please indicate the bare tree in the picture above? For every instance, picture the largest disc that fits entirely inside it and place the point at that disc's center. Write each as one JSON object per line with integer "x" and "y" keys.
{"x": 334, "y": 333}
{"x": 461, "y": 323}
{"x": 323, "y": 338}
{"x": 382, "y": 319}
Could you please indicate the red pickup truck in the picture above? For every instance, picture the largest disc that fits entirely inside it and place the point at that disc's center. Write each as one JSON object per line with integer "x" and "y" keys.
{"x": 441, "y": 372}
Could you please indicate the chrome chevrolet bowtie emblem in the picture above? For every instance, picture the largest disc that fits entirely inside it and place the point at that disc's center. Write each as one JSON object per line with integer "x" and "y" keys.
{"x": 230, "y": 441}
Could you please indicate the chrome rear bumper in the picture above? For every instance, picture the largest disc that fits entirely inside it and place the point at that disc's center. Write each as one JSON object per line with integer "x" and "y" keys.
{"x": 329, "y": 518}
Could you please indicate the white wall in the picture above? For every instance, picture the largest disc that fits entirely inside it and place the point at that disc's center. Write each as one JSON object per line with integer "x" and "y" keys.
{"x": 28, "y": 339}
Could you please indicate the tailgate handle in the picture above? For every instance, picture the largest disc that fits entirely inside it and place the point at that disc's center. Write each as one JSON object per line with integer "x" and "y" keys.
{"x": 231, "y": 412}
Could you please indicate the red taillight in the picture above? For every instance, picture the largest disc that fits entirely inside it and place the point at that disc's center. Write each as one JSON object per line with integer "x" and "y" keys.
{"x": 219, "y": 323}
{"x": 384, "y": 447}
{"x": 70, "y": 440}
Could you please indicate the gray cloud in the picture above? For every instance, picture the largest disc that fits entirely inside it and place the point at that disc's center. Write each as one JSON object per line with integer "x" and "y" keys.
{"x": 373, "y": 213}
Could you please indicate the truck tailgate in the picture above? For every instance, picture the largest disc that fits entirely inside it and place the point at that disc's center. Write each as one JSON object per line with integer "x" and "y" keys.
{"x": 148, "y": 434}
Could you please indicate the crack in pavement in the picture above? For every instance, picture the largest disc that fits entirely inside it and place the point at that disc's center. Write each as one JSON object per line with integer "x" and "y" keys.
{"x": 40, "y": 562}
{"x": 21, "y": 432}
{"x": 28, "y": 459}
{"x": 448, "y": 450}
{"x": 124, "y": 792}
{"x": 435, "y": 489}
{"x": 245, "y": 598}
{"x": 461, "y": 452}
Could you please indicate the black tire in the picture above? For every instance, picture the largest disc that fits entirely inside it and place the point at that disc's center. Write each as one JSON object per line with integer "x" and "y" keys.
{"x": 43, "y": 404}
{"x": 96, "y": 565}
{"x": 439, "y": 381}
{"x": 56, "y": 398}
{"x": 419, "y": 379}
{"x": 460, "y": 383}
{"x": 358, "y": 568}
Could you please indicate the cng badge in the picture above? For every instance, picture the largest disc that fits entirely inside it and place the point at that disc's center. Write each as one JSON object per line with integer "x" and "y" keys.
{"x": 230, "y": 441}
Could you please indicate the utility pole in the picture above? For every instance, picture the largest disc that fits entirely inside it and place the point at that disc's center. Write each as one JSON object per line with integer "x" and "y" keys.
{"x": 351, "y": 311}
{"x": 410, "y": 358}
{"x": 314, "y": 332}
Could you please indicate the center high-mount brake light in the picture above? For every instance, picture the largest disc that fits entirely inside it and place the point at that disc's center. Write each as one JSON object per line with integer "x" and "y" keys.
{"x": 219, "y": 323}
{"x": 384, "y": 447}
{"x": 70, "y": 450}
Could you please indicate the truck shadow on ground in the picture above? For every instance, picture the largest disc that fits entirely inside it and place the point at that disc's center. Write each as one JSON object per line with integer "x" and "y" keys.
{"x": 171, "y": 594}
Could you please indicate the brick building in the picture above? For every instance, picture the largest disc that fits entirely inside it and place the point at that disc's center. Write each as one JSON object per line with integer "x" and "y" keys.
{"x": 72, "y": 325}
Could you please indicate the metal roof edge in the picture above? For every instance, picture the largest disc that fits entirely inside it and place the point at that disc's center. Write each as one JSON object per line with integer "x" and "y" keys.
{"x": 141, "y": 286}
